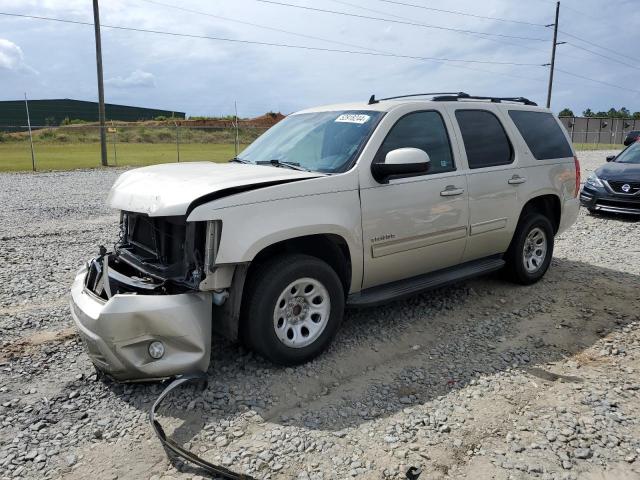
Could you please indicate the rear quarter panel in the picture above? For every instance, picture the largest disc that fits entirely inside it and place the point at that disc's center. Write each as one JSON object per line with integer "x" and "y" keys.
{"x": 545, "y": 177}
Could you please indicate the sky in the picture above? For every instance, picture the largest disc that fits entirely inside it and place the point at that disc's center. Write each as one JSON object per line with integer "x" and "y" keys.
{"x": 205, "y": 77}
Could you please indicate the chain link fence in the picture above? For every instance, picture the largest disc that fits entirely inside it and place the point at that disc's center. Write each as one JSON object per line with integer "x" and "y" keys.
{"x": 78, "y": 146}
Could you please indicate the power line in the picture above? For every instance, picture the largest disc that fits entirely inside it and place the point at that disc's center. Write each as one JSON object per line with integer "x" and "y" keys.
{"x": 580, "y": 12}
{"x": 402, "y": 22}
{"x": 257, "y": 25}
{"x": 496, "y": 40}
{"x": 301, "y": 47}
{"x": 588, "y": 42}
{"x": 597, "y": 81}
{"x": 334, "y": 41}
{"x": 269, "y": 44}
{"x": 575, "y": 10}
{"x": 606, "y": 57}
{"x": 465, "y": 14}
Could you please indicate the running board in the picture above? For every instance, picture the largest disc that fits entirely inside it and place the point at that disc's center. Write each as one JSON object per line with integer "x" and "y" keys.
{"x": 405, "y": 288}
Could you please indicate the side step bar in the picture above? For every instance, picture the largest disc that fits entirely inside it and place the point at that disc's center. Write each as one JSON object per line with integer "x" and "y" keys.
{"x": 404, "y": 288}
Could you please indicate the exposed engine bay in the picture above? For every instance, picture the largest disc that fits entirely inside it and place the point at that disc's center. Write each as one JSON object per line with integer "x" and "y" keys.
{"x": 153, "y": 256}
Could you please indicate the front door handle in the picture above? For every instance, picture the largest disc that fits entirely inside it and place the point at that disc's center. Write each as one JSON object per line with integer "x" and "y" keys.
{"x": 516, "y": 180}
{"x": 451, "y": 190}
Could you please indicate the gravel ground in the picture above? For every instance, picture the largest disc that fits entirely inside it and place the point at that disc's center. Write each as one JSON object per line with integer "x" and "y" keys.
{"x": 483, "y": 379}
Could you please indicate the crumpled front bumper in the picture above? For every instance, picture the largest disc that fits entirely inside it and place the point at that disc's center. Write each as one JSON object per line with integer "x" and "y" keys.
{"x": 117, "y": 332}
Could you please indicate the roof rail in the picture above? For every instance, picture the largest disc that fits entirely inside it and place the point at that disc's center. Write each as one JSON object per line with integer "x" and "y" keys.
{"x": 373, "y": 98}
{"x": 455, "y": 98}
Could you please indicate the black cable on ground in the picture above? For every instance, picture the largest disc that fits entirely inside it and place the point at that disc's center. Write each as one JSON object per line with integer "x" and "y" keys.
{"x": 171, "y": 447}
{"x": 218, "y": 472}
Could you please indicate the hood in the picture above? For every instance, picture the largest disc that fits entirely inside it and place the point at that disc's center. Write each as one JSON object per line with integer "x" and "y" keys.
{"x": 171, "y": 189}
{"x": 624, "y": 172}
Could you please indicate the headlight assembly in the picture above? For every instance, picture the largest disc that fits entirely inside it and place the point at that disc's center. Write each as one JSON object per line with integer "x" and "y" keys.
{"x": 594, "y": 181}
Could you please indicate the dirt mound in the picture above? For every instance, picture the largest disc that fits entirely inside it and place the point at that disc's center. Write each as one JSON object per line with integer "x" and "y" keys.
{"x": 263, "y": 121}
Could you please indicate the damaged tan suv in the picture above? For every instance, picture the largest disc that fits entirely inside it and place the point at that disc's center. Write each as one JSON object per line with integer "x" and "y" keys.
{"x": 343, "y": 205}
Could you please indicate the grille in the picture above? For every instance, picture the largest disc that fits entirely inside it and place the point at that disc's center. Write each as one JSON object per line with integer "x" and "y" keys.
{"x": 617, "y": 187}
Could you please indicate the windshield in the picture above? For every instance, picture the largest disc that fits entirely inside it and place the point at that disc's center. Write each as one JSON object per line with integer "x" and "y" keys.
{"x": 320, "y": 141}
{"x": 630, "y": 155}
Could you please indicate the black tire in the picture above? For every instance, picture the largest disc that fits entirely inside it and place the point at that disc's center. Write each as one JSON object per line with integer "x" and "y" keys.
{"x": 515, "y": 257}
{"x": 264, "y": 288}
{"x": 592, "y": 211}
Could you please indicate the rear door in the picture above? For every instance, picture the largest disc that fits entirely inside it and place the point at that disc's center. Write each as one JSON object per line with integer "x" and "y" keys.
{"x": 494, "y": 177}
{"x": 414, "y": 224}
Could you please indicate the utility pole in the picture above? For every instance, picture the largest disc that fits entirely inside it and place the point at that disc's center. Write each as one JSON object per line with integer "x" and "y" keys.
{"x": 33, "y": 155}
{"x": 553, "y": 54}
{"x": 101, "y": 113}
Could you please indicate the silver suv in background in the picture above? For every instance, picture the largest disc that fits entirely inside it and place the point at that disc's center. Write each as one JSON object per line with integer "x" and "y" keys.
{"x": 342, "y": 205}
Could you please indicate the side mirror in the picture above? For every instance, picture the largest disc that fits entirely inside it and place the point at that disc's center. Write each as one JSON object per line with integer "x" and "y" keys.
{"x": 402, "y": 161}
{"x": 611, "y": 158}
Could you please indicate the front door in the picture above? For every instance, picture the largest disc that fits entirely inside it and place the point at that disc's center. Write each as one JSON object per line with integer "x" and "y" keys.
{"x": 414, "y": 224}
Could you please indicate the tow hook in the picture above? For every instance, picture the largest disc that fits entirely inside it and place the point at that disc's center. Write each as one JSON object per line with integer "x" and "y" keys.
{"x": 170, "y": 446}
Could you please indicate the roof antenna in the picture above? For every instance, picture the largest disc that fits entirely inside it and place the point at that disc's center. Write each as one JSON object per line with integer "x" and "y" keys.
{"x": 372, "y": 100}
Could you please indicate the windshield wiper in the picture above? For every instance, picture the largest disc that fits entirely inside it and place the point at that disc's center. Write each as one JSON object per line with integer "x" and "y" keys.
{"x": 239, "y": 160}
{"x": 279, "y": 163}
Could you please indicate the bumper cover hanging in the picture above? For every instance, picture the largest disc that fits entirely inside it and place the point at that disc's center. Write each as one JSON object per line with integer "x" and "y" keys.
{"x": 171, "y": 446}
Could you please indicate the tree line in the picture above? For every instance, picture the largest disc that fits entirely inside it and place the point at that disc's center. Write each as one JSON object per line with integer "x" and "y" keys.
{"x": 623, "y": 112}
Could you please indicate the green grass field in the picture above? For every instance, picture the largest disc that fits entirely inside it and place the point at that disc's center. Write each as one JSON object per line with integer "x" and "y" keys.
{"x": 17, "y": 156}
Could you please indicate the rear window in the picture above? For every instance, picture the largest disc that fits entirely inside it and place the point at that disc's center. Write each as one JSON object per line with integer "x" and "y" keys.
{"x": 543, "y": 135}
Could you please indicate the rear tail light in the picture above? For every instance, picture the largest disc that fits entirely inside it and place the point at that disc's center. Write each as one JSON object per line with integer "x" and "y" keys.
{"x": 577, "y": 165}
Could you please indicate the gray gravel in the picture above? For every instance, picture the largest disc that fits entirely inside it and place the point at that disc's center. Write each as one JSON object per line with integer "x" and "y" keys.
{"x": 478, "y": 380}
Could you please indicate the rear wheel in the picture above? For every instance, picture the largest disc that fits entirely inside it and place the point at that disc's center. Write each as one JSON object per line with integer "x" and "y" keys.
{"x": 292, "y": 308}
{"x": 531, "y": 249}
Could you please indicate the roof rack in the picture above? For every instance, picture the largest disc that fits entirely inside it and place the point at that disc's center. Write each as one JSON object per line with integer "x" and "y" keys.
{"x": 373, "y": 98}
{"x": 456, "y": 96}
{"x": 464, "y": 96}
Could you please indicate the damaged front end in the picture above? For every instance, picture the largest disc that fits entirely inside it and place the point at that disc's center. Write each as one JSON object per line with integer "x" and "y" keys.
{"x": 140, "y": 309}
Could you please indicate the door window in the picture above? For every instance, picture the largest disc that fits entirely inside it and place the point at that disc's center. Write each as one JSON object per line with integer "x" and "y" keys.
{"x": 423, "y": 130}
{"x": 485, "y": 140}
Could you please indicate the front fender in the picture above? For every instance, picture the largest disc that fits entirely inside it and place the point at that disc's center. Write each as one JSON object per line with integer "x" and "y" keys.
{"x": 248, "y": 229}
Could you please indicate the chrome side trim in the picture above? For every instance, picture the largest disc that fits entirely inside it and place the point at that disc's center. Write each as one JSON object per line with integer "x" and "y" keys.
{"x": 488, "y": 226}
{"x": 419, "y": 241}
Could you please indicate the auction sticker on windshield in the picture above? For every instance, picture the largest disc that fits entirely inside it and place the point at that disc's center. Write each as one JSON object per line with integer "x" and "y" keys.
{"x": 353, "y": 118}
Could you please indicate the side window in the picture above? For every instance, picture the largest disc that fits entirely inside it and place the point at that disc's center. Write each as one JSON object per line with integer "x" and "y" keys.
{"x": 543, "y": 135}
{"x": 485, "y": 140}
{"x": 423, "y": 130}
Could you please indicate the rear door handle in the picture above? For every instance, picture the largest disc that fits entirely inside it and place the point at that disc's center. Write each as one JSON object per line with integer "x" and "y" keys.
{"x": 516, "y": 180}
{"x": 451, "y": 190}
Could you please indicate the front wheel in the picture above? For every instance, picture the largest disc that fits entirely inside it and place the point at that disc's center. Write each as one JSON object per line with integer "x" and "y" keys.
{"x": 292, "y": 308}
{"x": 531, "y": 249}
